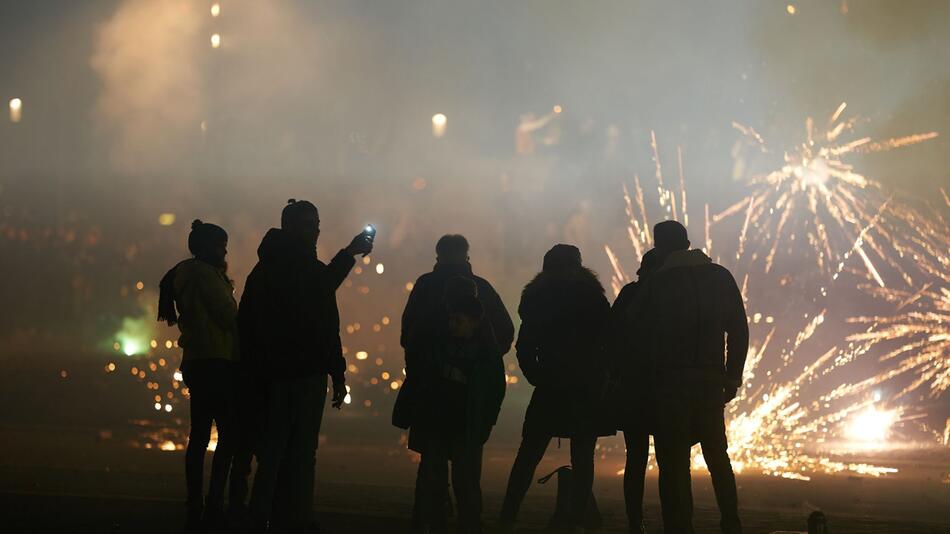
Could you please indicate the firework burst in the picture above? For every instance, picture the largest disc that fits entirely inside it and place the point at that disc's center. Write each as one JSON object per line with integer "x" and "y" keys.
{"x": 794, "y": 408}
{"x": 817, "y": 198}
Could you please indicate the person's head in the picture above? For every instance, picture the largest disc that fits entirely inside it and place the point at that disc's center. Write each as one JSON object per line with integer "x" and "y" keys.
{"x": 208, "y": 242}
{"x": 562, "y": 258}
{"x": 451, "y": 248}
{"x": 648, "y": 263}
{"x": 669, "y": 236}
{"x": 465, "y": 314}
{"x": 464, "y": 309}
{"x": 301, "y": 220}
{"x": 459, "y": 287}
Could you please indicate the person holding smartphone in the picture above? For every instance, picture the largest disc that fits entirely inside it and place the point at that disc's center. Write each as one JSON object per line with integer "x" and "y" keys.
{"x": 290, "y": 322}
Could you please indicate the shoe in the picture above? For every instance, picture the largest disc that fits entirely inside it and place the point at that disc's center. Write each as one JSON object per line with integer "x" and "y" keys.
{"x": 638, "y": 527}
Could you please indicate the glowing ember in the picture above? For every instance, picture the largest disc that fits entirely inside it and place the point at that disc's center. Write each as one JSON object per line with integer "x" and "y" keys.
{"x": 871, "y": 425}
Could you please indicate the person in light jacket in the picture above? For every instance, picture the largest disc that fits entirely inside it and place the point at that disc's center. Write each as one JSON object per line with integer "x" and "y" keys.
{"x": 198, "y": 296}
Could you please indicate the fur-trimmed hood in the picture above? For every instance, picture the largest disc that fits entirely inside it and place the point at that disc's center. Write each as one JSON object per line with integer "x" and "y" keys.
{"x": 546, "y": 278}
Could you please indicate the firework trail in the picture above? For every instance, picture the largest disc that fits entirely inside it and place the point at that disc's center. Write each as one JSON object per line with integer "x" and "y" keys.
{"x": 917, "y": 328}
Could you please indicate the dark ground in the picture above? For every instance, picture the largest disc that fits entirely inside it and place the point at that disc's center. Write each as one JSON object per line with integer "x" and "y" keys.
{"x": 76, "y": 480}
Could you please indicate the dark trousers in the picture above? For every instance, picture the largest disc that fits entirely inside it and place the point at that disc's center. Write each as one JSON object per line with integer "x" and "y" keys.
{"x": 466, "y": 460}
{"x": 637, "y": 440}
{"x": 210, "y": 388}
{"x": 712, "y": 439}
{"x": 288, "y": 452}
{"x": 683, "y": 415}
{"x": 529, "y": 456}
{"x": 249, "y": 426}
{"x": 419, "y": 495}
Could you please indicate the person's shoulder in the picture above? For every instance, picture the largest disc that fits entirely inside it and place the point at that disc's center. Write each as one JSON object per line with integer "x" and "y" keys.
{"x": 424, "y": 280}
{"x": 628, "y": 290}
{"x": 483, "y": 284}
{"x": 191, "y": 269}
{"x": 720, "y": 276}
{"x": 719, "y": 270}
{"x": 426, "y": 277}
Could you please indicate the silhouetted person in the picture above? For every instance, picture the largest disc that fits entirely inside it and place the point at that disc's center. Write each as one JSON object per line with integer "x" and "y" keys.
{"x": 459, "y": 381}
{"x": 635, "y": 401}
{"x": 693, "y": 325}
{"x": 291, "y": 322}
{"x": 249, "y": 407}
{"x": 427, "y": 300}
{"x": 560, "y": 348}
{"x": 428, "y": 293}
{"x": 198, "y": 296}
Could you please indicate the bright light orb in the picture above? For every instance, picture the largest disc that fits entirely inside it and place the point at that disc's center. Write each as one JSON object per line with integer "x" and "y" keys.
{"x": 215, "y": 40}
{"x": 439, "y": 123}
{"x": 215, "y": 9}
{"x": 813, "y": 173}
{"x": 131, "y": 347}
{"x": 16, "y": 109}
{"x": 871, "y": 425}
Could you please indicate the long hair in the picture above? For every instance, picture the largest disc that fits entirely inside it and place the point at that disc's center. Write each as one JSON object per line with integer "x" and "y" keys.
{"x": 166, "y": 298}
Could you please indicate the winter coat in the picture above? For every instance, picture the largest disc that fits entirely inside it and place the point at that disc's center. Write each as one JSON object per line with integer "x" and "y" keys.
{"x": 686, "y": 311}
{"x": 561, "y": 351}
{"x": 631, "y": 385}
{"x": 457, "y": 388}
{"x": 428, "y": 293}
{"x": 288, "y": 318}
{"x": 205, "y": 300}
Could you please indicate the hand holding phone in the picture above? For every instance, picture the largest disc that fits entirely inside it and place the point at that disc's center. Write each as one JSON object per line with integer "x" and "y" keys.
{"x": 363, "y": 242}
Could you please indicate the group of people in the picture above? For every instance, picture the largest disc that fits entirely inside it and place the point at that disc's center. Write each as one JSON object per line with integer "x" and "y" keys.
{"x": 663, "y": 360}
{"x": 278, "y": 349}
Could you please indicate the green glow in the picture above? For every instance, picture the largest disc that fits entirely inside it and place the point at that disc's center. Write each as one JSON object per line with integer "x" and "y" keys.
{"x": 134, "y": 335}
{"x": 130, "y": 347}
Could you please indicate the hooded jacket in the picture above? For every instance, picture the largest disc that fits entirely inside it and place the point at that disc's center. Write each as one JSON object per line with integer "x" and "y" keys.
{"x": 428, "y": 293}
{"x": 687, "y": 311}
{"x": 208, "y": 312}
{"x": 288, "y": 319}
{"x": 560, "y": 348}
